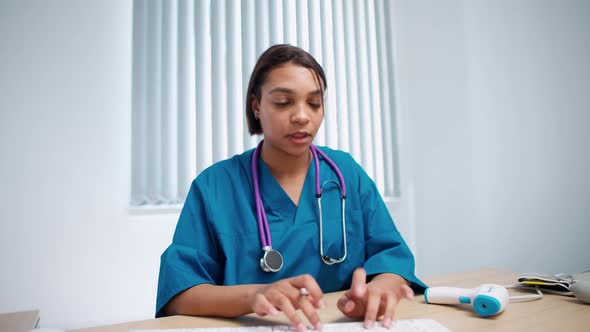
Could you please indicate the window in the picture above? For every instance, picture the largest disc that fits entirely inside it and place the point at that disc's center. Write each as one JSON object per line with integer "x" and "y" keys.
{"x": 191, "y": 65}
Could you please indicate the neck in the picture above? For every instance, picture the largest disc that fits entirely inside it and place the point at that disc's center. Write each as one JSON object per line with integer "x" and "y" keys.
{"x": 282, "y": 164}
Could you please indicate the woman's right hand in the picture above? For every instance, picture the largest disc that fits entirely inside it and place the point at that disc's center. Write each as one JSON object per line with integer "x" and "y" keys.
{"x": 286, "y": 295}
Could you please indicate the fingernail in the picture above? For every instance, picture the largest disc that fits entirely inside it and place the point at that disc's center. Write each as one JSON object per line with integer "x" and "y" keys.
{"x": 369, "y": 324}
{"x": 322, "y": 304}
{"x": 348, "y": 306}
{"x": 387, "y": 322}
{"x": 273, "y": 311}
{"x": 300, "y": 327}
{"x": 319, "y": 326}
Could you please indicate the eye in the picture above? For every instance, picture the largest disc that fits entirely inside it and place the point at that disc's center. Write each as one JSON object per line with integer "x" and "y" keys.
{"x": 315, "y": 105}
{"x": 281, "y": 103}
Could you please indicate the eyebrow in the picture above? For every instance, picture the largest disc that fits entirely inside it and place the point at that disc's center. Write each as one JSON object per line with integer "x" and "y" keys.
{"x": 286, "y": 90}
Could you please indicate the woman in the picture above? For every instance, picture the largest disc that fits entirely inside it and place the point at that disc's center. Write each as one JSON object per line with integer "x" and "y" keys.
{"x": 213, "y": 266}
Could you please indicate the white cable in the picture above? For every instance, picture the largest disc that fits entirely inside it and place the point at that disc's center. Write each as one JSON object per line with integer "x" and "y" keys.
{"x": 522, "y": 298}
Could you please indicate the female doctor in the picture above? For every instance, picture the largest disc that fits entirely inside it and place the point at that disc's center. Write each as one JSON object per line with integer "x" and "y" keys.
{"x": 254, "y": 236}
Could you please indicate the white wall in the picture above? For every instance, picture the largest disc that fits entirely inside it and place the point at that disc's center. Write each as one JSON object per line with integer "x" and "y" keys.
{"x": 496, "y": 93}
{"x": 494, "y": 102}
{"x": 529, "y": 79}
{"x": 67, "y": 243}
{"x": 432, "y": 91}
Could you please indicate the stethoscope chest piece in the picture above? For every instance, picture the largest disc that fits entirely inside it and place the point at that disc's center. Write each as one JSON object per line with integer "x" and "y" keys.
{"x": 271, "y": 261}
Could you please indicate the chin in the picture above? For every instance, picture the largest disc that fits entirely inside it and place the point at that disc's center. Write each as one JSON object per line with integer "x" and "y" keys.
{"x": 297, "y": 151}
{"x": 290, "y": 149}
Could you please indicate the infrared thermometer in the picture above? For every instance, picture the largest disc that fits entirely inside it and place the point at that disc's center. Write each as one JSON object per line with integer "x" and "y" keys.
{"x": 486, "y": 300}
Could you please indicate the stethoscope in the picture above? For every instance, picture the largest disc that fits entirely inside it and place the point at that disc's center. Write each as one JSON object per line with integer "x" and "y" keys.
{"x": 272, "y": 260}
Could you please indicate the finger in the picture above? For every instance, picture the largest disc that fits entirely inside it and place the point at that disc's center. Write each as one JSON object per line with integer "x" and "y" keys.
{"x": 292, "y": 293}
{"x": 345, "y": 304}
{"x": 407, "y": 292}
{"x": 359, "y": 283}
{"x": 373, "y": 300}
{"x": 389, "y": 311}
{"x": 284, "y": 303}
{"x": 316, "y": 296}
{"x": 310, "y": 312}
{"x": 285, "y": 288}
{"x": 263, "y": 307}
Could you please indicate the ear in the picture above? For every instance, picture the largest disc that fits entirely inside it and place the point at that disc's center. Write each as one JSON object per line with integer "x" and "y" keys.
{"x": 254, "y": 104}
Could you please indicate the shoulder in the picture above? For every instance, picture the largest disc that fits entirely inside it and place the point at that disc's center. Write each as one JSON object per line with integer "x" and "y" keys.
{"x": 224, "y": 171}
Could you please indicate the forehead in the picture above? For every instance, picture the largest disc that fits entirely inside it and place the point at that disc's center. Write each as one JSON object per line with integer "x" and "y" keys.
{"x": 293, "y": 77}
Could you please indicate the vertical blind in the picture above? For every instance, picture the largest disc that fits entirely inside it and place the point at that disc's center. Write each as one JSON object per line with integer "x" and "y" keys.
{"x": 192, "y": 60}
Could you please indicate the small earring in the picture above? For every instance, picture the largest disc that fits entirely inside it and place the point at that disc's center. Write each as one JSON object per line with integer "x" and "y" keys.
{"x": 256, "y": 115}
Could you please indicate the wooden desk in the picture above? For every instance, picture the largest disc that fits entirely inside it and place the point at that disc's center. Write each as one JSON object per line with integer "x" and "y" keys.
{"x": 552, "y": 313}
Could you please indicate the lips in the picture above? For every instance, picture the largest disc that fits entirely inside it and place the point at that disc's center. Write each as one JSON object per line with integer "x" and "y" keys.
{"x": 299, "y": 134}
{"x": 300, "y": 137}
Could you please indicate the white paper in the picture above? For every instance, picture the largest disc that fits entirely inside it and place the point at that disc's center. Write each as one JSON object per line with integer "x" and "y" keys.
{"x": 406, "y": 325}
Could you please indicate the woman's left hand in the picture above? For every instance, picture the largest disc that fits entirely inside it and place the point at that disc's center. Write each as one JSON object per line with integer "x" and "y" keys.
{"x": 377, "y": 298}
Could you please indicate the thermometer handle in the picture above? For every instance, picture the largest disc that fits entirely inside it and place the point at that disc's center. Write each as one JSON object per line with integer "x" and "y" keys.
{"x": 448, "y": 295}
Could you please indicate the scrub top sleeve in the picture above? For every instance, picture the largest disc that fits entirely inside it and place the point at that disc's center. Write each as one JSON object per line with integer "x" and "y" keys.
{"x": 386, "y": 250}
{"x": 193, "y": 257}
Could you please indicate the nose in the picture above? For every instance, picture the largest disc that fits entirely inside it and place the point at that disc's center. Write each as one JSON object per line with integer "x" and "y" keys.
{"x": 301, "y": 114}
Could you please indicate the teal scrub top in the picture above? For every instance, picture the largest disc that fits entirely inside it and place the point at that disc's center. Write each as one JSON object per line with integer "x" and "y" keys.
{"x": 216, "y": 239}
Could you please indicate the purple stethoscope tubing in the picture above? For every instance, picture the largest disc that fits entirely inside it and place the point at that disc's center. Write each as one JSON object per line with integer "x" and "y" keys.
{"x": 263, "y": 229}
